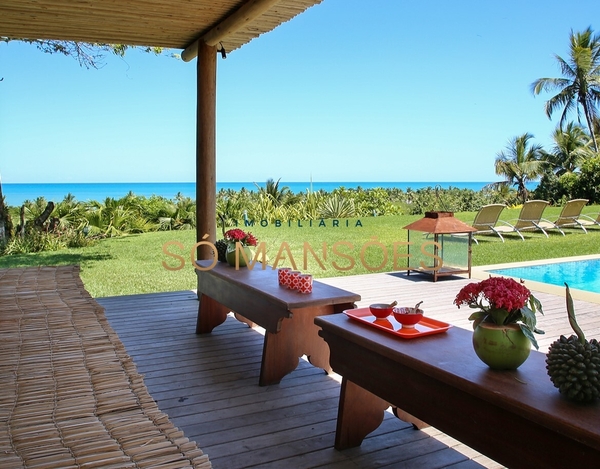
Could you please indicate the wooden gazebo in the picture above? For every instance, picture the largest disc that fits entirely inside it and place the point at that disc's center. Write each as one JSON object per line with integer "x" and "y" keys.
{"x": 203, "y": 28}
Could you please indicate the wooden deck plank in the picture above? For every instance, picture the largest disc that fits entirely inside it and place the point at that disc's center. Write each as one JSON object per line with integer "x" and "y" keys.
{"x": 207, "y": 383}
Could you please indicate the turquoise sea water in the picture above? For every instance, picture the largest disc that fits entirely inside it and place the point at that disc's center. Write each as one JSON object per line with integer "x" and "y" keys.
{"x": 15, "y": 194}
{"x": 582, "y": 275}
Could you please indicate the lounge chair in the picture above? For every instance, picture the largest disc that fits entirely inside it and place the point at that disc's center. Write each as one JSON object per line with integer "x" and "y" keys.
{"x": 486, "y": 220}
{"x": 590, "y": 221}
{"x": 529, "y": 219}
{"x": 570, "y": 216}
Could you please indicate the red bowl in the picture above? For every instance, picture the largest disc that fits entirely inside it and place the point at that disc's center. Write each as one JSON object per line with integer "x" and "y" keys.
{"x": 381, "y": 310}
{"x": 408, "y": 317}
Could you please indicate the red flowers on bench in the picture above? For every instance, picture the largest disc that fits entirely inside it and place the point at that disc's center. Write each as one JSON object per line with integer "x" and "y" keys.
{"x": 501, "y": 301}
{"x": 237, "y": 235}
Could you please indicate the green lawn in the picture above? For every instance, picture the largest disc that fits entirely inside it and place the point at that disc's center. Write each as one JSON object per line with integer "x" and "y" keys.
{"x": 134, "y": 264}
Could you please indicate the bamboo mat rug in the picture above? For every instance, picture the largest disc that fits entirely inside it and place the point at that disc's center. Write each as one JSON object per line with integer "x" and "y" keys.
{"x": 70, "y": 396}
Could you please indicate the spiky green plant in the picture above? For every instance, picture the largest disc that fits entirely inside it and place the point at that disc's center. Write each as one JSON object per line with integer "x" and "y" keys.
{"x": 573, "y": 363}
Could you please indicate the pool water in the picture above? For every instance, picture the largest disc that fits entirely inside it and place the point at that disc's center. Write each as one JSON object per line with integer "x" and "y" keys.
{"x": 582, "y": 275}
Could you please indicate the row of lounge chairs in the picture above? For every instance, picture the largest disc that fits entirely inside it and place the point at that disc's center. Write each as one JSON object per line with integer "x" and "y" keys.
{"x": 487, "y": 220}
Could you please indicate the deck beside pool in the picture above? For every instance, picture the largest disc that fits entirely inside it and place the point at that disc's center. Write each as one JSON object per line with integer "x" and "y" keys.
{"x": 208, "y": 384}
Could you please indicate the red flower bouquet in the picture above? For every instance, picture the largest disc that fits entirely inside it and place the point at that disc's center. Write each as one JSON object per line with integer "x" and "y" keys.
{"x": 502, "y": 301}
{"x": 237, "y": 235}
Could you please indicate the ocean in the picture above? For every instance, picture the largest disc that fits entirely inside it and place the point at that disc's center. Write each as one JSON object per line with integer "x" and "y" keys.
{"x": 16, "y": 193}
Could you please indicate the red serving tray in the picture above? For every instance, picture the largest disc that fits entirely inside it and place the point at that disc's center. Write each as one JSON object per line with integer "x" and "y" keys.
{"x": 426, "y": 326}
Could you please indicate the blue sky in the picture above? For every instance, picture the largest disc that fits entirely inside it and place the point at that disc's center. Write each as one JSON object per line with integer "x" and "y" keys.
{"x": 351, "y": 90}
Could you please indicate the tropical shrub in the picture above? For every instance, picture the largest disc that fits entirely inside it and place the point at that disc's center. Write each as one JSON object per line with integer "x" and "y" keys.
{"x": 74, "y": 223}
{"x": 452, "y": 199}
{"x": 556, "y": 189}
{"x": 231, "y": 205}
{"x": 154, "y": 208}
{"x": 337, "y": 206}
{"x": 588, "y": 184}
{"x": 179, "y": 214}
{"x": 34, "y": 241}
{"x": 308, "y": 206}
{"x": 584, "y": 184}
{"x": 370, "y": 202}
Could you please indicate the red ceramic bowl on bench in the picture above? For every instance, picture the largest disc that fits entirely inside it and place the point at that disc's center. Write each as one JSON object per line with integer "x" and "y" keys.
{"x": 408, "y": 317}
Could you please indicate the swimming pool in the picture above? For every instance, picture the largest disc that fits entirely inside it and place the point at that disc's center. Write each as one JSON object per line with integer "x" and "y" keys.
{"x": 580, "y": 274}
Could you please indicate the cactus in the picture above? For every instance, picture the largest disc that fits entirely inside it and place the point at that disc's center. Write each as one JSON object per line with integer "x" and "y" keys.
{"x": 573, "y": 363}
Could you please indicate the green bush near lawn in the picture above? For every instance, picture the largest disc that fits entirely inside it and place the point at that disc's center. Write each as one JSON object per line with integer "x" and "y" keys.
{"x": 136, "y": 263}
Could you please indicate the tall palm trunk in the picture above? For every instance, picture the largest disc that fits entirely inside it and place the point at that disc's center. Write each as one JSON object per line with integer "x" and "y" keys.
{"x": 523, "y": 192}
{"x": 590, "y": 124}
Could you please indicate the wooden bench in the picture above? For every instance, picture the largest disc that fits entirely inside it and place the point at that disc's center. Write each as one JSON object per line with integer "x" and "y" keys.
{"x": 286, "y": 315}
{"x": 515, "y": 417}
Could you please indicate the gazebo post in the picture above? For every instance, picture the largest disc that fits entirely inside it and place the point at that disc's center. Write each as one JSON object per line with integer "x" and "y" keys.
{"x": 206, "y": 165}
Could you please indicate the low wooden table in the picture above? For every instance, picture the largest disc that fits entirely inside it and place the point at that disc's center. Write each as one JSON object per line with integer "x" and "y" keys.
{"x": 515, "y": 417}
{"x": 286, "y": 315}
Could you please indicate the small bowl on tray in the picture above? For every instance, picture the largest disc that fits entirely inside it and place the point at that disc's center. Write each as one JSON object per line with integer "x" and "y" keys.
{"x": 381, "y": 310}
{"x": 408, "y": 317}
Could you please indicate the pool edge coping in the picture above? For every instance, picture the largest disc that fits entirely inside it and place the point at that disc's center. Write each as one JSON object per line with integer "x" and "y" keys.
{"x": 482, "y": 272}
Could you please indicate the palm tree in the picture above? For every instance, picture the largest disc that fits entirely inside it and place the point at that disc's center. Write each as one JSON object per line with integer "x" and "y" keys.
{"x": 69, "y": 213}
{"x": 520, "y": 163}
{"x": 180, "y": 215}
{"x": 502, "y": 192}
{"x": 278, "y": 195}
{"x": 580, "y": 85}
{"x": 571, "y": 148}
{"x": 108, "y": 219}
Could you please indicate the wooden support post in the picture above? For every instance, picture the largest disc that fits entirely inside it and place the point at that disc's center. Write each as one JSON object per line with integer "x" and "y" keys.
{"x": 206, "y": 166}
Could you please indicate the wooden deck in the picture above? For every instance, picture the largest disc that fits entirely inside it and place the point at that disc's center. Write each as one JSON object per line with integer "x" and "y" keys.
{"x": 208, "y": 384}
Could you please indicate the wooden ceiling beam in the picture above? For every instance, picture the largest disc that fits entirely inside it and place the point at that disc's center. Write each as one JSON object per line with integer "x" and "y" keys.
{"x": 241, "y": 17}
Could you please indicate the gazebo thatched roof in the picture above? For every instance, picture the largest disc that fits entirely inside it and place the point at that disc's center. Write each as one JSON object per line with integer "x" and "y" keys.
{"x": 174, "y": 24}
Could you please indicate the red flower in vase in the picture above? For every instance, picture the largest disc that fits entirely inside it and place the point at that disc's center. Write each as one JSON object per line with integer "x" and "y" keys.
{"x": 237, "y": 235}
{"x": 501, "y": 301}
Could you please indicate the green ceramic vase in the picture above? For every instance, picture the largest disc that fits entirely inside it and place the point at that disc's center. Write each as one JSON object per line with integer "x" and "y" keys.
{"x": 230, "y": 256}
{"x": 501, "y": 347}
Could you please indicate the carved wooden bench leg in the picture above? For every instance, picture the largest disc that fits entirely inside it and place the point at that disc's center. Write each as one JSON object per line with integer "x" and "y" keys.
{"x": 210, "y": 314}
{"x": 360, "y": 412}
{"x": 402, "y": 415}
{"x": 279, "y": 358}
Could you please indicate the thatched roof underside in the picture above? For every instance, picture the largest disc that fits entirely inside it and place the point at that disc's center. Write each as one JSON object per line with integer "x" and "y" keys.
{"x": 172, "y": 24}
